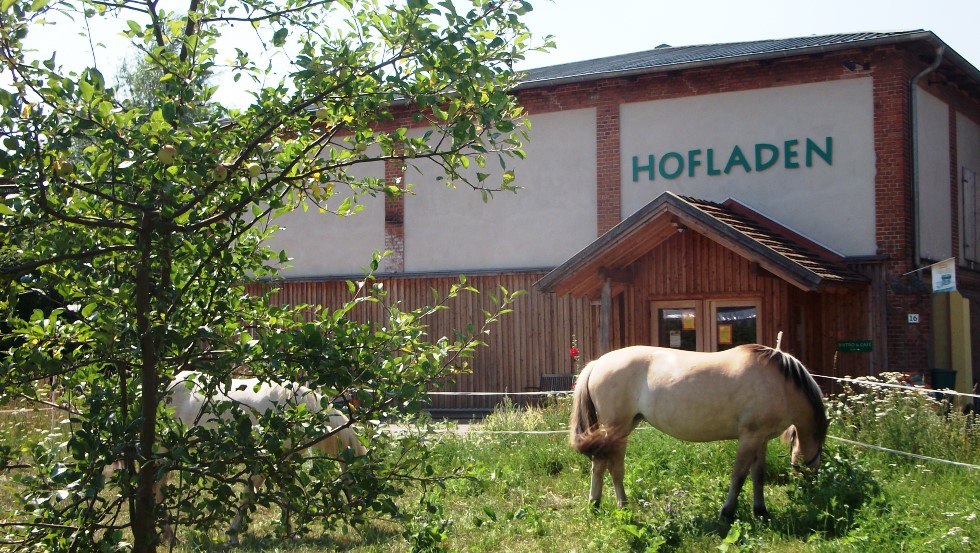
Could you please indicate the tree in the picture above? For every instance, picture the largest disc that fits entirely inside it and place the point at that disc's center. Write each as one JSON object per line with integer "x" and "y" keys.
{"x": 147, "y": 220}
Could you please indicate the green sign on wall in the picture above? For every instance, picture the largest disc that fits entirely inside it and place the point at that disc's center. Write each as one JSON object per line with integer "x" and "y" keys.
{"x": 854, "y": 345}
{"x": 758, "y": 158}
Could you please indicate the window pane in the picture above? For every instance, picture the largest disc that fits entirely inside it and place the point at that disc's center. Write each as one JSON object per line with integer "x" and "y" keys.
{"x": 735, "y": 326}
{"x": 677, "y": 329}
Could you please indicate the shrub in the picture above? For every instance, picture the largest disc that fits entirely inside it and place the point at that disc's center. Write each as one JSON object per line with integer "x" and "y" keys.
{"x": 905, "y": 420}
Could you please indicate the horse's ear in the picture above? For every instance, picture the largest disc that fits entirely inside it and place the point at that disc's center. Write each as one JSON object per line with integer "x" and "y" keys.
{"x": 789, "y": 435}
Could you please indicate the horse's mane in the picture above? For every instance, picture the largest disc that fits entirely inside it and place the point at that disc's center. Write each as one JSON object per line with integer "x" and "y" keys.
{"x": 793, "y": 369}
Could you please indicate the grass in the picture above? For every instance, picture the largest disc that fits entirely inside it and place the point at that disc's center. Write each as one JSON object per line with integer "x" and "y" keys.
{"x": 528, "y": 493}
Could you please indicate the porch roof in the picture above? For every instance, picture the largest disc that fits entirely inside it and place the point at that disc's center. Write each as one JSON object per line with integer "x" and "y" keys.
{"x": 777, "y": 249}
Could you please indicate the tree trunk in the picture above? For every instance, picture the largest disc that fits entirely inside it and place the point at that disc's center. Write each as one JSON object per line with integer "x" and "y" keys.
{"x": 143, "y": 519}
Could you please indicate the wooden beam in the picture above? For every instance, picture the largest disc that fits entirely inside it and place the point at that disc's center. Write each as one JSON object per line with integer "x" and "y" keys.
{"x": 621, "y": 276}
{"x": 605, "y": 315}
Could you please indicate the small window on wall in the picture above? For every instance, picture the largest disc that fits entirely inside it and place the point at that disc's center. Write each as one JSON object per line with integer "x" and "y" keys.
{"x": 970, "y": 233}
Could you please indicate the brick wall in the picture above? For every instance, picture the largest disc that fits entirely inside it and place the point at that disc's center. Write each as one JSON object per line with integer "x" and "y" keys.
{"x": 394, "y": 218}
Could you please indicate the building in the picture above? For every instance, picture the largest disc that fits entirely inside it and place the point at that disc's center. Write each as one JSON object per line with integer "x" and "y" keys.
{"x": 701, "y": 197}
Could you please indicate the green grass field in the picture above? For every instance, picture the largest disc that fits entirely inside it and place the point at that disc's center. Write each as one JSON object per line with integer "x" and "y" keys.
{"x": 528, "y": 493}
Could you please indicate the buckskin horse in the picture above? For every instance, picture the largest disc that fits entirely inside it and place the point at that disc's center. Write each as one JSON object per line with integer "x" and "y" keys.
{"x": 749, "y": 393}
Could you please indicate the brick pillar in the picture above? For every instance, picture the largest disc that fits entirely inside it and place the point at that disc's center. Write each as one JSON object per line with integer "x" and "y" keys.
{"x": 908, "y": 344}
{"x": 394, "y": 218}
{"x": 608, "y": 178}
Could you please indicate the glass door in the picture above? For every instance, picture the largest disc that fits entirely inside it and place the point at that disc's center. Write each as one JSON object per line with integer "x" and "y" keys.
{"x": 678, "y": 325}
{"x": 733, "y": 323}
{"x": 705, "y": 325}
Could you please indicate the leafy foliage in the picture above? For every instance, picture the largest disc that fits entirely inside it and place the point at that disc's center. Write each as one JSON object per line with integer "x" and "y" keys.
{"x": 142, "y": 217}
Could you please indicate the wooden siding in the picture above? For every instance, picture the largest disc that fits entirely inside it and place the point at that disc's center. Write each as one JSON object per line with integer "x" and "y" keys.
{"x": 535, "y": 338}
{"x": 532, "y": 341}
{"x": 690, "y": 266}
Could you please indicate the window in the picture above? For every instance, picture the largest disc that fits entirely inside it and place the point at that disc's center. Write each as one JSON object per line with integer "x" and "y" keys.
{"x": 681, "y": 324}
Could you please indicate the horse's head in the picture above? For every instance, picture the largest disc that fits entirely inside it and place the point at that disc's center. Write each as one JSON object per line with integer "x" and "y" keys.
{"x": 805, "y": 449}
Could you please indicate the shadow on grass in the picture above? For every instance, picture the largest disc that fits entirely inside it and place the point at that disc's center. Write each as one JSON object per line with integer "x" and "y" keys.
{"x": 363, "y": 536}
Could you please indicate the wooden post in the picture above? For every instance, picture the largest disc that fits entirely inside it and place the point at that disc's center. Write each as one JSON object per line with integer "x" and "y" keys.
{"x": 605, "y": 314}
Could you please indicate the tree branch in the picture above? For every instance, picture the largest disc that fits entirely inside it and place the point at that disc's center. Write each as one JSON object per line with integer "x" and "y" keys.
{"x": 90, "y": 254}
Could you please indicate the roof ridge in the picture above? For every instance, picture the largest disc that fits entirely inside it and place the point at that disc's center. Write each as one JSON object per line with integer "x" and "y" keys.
{"x": 662, "y": 48}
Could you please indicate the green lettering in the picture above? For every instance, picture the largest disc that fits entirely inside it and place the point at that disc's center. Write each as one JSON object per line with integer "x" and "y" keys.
{"x": 663, "y": 163}
{"x": 827, "y": 154}
{"x": 737, "y": 158}
{"x": 790, "y": 148}
{"x": 637, "y": 168}
{"x": 692, "y": 161}
{"x": 762, "y": 165}
{"x": 711, "y": 164}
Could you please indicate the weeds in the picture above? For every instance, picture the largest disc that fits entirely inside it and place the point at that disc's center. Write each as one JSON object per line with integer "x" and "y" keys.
{"x": 529, "y": 492}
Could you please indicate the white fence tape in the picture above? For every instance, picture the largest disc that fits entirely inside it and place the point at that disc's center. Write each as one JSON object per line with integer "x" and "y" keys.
{"x": 26, "y": 410}
{"x": 906, "y": 454}
{"x": 917, "y": 389}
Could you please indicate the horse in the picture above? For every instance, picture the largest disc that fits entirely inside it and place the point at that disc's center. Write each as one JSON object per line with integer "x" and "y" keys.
{"x": 186, "y": 396}
{"x": 751, "y": 393}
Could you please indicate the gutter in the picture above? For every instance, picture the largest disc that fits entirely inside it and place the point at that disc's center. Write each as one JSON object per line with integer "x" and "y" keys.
{"x": 914, "y": 161}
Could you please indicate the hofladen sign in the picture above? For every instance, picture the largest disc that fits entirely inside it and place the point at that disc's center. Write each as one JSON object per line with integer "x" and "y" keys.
{"x": 790, "y": 154}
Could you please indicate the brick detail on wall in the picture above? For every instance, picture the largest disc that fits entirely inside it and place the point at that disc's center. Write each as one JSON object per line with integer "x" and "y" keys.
{"x": 608, "y": 181}
{"x": 394, "y": 219}
{"x": 908, "y": 344}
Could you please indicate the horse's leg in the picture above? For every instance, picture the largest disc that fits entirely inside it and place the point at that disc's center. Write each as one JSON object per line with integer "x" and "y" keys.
{"x": 617, "y": 470}
{"x": 758, "y": 477}
{"x": 233, "y": 529}
{"x": 598, "y": 471}
{"x": 748, "y": 450}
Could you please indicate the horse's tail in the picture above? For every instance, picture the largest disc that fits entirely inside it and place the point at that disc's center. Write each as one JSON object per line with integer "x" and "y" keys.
{"x": 584, "y": 433}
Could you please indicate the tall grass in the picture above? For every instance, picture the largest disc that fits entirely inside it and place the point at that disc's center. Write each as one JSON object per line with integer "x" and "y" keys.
{"x": 528, "y": 492}
{"x": 904, "y": 420}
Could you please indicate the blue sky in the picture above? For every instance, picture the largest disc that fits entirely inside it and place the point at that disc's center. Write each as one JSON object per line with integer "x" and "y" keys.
{"x": 586, "y": 29}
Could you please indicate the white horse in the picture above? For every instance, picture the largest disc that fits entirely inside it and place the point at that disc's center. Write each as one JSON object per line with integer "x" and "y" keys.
{"x": 750, "y": 393}
{"x": 191, "y": 406}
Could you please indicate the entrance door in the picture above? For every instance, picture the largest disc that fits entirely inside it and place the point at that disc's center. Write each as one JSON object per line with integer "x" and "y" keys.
{"x": 678, "y": 325}
{"x": 733, "y": 323}
{"x": 705, "y": 325}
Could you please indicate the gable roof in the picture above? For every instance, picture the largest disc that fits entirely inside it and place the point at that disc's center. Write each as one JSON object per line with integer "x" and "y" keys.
{"x": 668, "y": 58}
{"x": 781, "y": 251}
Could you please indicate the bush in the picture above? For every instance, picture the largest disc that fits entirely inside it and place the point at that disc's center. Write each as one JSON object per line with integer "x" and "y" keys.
{"x": 905, "y": 420}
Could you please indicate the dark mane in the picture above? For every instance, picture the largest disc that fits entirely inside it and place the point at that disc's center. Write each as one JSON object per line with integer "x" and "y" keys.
{"x": 794, "y": 370}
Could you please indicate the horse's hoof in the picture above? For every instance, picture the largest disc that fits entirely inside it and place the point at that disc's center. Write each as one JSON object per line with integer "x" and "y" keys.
{"x": 761, "y": 513}
{"x": 727, "y": 517}
{"x": 233, "y": 539}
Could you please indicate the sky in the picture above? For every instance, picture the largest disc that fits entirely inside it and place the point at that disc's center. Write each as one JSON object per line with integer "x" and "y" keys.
{"x": 587, "y": 29}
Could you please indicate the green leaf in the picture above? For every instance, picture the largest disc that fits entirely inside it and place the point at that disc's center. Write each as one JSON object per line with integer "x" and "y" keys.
{"x": 279, "y": 38}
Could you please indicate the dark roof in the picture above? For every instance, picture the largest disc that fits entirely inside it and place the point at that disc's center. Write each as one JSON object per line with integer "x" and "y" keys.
{"x": 667, "y": 58}
{"x": 781, "y": 251}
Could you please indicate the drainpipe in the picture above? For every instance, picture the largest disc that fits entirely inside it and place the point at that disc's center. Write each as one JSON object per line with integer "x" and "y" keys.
{"x": 913, "y": 118}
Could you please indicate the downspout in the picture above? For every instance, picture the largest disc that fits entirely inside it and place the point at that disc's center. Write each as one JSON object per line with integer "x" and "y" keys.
{"x": 914, "y": 131}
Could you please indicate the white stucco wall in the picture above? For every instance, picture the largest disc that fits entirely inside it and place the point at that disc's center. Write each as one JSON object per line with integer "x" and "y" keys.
{"x": 968, "y": 157}
{"x": 935, "y": 214}
{"x": 542, "y": 225}
{"x": 833, "y": 204}
{"x": 324, "y": 244}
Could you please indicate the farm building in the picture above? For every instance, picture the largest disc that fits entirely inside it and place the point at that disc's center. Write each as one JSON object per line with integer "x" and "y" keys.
{"x": 701, "y": 197}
